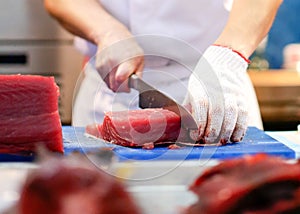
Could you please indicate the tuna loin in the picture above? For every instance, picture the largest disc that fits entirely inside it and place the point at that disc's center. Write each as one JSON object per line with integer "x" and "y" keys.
{"x": 29, "y": 114}
{"x": 255, "y": 184}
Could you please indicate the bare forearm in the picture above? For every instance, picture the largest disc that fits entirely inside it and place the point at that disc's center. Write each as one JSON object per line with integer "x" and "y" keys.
{"x": 84, "y": 18}
{"x": 248, "y": 24}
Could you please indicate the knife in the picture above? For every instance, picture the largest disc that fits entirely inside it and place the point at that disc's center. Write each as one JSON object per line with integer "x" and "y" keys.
{"x": 149, "y": 97}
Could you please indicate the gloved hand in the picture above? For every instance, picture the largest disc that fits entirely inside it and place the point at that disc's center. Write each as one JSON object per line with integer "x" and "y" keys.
{"x": 216, "y": 96}
{"x": 118, "y": 57}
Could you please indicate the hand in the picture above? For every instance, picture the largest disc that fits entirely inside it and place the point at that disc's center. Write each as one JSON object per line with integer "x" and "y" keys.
{"x": 118, "y": 57}
{"x": 216, "y": 97}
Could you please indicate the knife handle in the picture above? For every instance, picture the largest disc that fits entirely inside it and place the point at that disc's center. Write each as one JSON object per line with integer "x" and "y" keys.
{"x": 133, "y": 81}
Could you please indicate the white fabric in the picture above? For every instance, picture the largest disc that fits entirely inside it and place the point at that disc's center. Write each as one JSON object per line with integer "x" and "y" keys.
{"x": 197, "y": 22}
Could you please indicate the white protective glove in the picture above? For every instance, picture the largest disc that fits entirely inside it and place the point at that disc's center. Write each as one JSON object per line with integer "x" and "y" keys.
{"x": 217, "y": 98}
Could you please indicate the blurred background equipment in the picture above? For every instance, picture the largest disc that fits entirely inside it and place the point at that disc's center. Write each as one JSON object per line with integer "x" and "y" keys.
{"x": 31, "y": 42}
{"x": 285, "y": 30}
{"x": 275, "y": 70}
{"x": 278, "y": 93}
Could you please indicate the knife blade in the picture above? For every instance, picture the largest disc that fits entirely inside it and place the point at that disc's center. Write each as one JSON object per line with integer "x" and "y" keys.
{"x": 150, "y": 97}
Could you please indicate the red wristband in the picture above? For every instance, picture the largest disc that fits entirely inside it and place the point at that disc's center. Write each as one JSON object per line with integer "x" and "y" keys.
{"x": 235, "y": 51}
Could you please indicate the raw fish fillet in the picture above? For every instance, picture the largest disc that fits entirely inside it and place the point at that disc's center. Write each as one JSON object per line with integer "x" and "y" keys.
{"x": 255, "y": 184}
{"x": 29, "y": 114}
{"x": 74, "y": 185}
{"x": 137, "y": 128}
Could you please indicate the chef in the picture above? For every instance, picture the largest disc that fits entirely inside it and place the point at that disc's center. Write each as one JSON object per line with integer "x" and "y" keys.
{"x": 224, "y": 33}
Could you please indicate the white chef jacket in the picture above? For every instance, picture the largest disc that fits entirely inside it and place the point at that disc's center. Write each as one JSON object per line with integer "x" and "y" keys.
{"x": 198, "y": 23}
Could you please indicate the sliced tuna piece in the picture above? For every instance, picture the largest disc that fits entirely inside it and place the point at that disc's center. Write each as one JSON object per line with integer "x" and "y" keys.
{"x": 136, "y": 128}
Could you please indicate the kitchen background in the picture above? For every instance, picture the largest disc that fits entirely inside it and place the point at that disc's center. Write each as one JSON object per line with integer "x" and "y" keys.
{"x": 31, "y": 42}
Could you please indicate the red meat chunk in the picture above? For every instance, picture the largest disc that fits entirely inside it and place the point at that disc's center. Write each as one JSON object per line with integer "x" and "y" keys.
{"x": 254, "y": 184}
{"x": 73, "y": 185}
{"x": 138, "y": 127}
{"x": 29, "y": 114}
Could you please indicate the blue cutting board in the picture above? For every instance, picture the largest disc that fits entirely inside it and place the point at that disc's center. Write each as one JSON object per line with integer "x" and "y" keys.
{"x": 255, "y": 141}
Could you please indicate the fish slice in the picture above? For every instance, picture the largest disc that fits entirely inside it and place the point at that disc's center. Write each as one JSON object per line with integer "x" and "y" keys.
{"x": 149, "y": 97}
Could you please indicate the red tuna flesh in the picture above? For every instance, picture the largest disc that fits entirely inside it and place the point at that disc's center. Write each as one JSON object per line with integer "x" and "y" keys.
{"x": 74, "y": 185}
{"x": 29, "y": 114}
{"x": 138, "y": 127}
{"x": 254, "y": 184}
